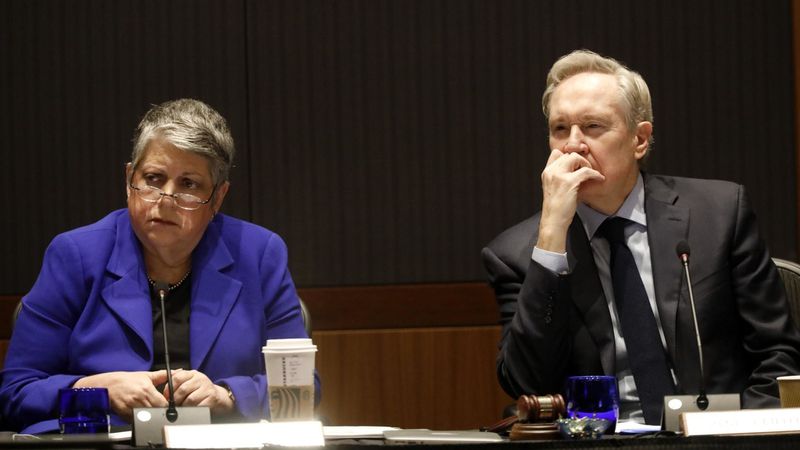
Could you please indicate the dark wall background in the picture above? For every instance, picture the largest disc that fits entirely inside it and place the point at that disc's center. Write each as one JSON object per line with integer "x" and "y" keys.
{"x": 386, "y": 141}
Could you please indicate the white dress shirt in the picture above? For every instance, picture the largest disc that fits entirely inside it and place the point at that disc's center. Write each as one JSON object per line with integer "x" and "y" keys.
{"x": 636, "y": 238}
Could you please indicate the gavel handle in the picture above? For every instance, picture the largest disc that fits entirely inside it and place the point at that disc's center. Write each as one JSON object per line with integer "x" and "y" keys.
{"x": 502, "y": 425}
{"x": 532, "y": 408}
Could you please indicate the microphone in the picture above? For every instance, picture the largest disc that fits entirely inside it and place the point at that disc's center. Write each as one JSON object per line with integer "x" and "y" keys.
{"x": 162, "y": 288}
{"x": 148, "y": 423}
{"x": 682, "y": 249}
{"x": 674, "y": 405}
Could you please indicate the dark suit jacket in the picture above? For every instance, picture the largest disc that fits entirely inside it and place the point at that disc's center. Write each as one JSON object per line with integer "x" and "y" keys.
{"x": 555, "y": 326}
{"x": 89, "y": 312}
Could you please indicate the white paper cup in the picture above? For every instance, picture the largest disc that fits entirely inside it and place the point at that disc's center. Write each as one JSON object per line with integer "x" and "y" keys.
{"x": 290, "y": 378}
{"x": 789, "y": 389}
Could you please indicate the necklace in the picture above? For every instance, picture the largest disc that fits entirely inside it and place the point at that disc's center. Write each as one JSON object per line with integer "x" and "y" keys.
{"x": 171, "y": 286}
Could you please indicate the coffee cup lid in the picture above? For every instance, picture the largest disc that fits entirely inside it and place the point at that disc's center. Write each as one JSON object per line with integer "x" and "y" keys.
{"x": 298, "y": 345}
{"x": 288, "y": 343}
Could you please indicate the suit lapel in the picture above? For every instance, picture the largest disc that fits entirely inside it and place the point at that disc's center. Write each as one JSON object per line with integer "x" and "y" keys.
{"x": 129, "y": 297}
{"x": 587, "y": 294}
{"x": 667, "y": 224}
{"x": 213, "y": 293}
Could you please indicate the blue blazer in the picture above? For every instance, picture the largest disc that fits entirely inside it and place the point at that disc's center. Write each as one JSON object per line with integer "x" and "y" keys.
{"x": 89, "y": 312}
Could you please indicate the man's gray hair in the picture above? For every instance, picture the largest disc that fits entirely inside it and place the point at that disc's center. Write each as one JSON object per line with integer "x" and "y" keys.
{"x": 635, "y": 95}
{"x": 190, "y": 125}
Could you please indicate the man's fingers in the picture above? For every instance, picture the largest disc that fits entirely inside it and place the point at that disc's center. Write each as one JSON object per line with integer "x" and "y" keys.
{"x": 568, "y": 173}
{"x": 574, "y": 161}
{"x": 554, "y": 155}
{"x": 560, "y": 164}
{"x": 588, "y": 173}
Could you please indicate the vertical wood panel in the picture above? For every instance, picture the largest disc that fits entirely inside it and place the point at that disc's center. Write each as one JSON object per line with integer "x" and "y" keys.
{"x": 437, "y": 378}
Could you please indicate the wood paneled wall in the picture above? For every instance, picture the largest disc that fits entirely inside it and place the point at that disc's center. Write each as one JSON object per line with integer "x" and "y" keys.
{"x": 412, "y": 356}
{"x": 438, "y": 378}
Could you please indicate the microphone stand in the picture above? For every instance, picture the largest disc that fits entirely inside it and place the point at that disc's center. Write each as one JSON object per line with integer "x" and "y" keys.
{"x": 172, "y": 412}
{"x": 676, "y": 404}
{"x": 702, "y": 398}
{"x": 149, "y": 422}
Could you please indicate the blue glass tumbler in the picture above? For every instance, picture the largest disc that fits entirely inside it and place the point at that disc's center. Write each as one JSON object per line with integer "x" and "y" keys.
{"x": 593, "y": 396}
{"x": 83, "y": 410}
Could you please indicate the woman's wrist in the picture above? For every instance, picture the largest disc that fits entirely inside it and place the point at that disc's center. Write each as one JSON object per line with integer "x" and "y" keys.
{"x": 229, "y": 400}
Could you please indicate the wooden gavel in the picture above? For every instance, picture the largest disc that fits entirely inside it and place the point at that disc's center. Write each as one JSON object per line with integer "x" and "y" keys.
{"x": 540, "y": 408}
{"x": 534, "y": 409}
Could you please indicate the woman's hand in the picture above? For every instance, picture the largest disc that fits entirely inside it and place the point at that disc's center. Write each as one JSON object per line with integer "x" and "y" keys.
{"x": 193, "y": 388}
{"x": 128, "y": 390}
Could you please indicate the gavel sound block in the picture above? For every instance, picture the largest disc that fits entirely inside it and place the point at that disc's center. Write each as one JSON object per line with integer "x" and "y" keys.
{"x": 536, "y": 417}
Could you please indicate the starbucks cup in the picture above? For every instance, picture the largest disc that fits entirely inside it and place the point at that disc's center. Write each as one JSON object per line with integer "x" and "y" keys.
{"x": 290, "y": 379}
{"x": 789, "y": 391}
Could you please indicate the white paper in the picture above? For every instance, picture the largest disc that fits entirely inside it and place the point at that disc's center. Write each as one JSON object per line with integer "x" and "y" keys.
{"x": 356, "y": 432}
{"x": 120, "y": 435}
{"x": 633, "y": 427}
{"x": 245, "y": 435}
{"x": 745, "y": 421}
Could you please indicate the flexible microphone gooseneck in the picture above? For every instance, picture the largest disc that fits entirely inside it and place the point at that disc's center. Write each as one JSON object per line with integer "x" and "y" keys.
{"x": 682, "y": 249}
{"x": 162, "y": 288}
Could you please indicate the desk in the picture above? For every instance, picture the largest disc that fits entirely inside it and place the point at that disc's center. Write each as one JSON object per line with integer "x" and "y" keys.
{"x": 772, "y": 442}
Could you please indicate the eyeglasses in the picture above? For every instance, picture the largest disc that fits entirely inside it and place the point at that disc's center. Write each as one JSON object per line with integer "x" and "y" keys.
{"x": 189, "y": 202}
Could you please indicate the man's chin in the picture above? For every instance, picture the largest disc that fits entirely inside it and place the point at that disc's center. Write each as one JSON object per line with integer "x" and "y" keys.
{"x": 590, "y": 191}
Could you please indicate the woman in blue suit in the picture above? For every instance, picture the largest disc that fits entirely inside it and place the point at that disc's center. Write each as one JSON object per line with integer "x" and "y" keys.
{"x": 92, "y": 319}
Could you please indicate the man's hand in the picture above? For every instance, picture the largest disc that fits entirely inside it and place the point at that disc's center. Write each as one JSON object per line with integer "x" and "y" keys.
{"x": 128, "y": 390}
{"x": 193, "y": 388}
{"x": 561, "y": 180}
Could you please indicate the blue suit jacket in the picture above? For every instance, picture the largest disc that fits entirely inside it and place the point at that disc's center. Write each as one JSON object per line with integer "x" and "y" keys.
{"x": 89, "y": 312}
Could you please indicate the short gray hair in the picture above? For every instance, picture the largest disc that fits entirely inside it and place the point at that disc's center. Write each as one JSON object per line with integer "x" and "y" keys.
{"x": 635, "y": 95}
{"x": 190, "y": 125}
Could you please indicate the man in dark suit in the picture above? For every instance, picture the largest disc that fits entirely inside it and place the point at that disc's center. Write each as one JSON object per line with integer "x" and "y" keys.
{"x": 580, "y": 293}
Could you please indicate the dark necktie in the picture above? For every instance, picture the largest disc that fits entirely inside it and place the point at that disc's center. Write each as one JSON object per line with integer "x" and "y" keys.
{"x": 646, "y": 356}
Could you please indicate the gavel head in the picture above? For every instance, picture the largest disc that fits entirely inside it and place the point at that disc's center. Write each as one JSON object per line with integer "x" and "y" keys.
{"x": 540, "y": 408}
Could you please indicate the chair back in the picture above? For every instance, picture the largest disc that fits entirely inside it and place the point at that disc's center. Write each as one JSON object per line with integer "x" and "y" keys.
{"x": 306, "y": 316}
{"x": 15, "y": 314}
{"x": 790, "y": 274}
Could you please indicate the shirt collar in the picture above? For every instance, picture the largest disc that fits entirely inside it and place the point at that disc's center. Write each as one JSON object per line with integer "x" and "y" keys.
{"x": 632, "y": 209}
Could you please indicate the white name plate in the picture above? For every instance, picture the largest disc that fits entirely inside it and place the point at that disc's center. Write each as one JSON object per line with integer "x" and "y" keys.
{"x": 245, "y": 435}
{"x": 745, "y": 421}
